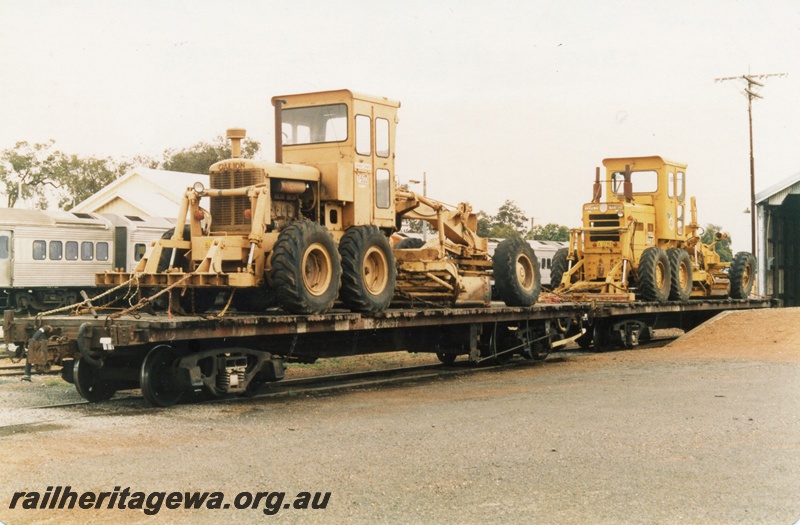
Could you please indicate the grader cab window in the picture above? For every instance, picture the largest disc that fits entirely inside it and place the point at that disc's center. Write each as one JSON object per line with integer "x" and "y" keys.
{"x": 314, "y": 125}
{"x": 645, "y": 181}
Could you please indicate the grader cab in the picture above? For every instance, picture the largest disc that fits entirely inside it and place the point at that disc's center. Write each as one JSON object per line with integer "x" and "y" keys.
{"x": 312, "y": 227}
{"x": 638, "y": 243}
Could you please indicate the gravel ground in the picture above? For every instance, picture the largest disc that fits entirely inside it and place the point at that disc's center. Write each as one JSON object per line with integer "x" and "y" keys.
{"x": 706, "y": 430}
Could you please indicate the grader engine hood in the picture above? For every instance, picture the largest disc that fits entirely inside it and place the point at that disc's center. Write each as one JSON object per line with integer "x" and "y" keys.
{"x": 285, "y": 182}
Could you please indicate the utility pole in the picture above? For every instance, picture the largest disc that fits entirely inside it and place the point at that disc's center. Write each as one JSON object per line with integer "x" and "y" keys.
{"x": 751, "y": 91}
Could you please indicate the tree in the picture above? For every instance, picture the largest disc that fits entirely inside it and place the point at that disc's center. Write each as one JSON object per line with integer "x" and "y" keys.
{"x": 83, "y": 177}
{"x": 550, "y": 232}
{"x": 26, "y": 171}
{"x": 722, "y": 247}
{"x": 510, "y": 221}
{"x": 200, "y": 157}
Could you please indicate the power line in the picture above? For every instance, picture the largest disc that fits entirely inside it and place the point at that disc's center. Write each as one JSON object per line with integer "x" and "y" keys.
{"x": 751, "y": 92}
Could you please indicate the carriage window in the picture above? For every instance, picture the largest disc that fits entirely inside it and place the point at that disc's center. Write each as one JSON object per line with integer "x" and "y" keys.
{"x": 71, "y": 251}
{"x": 138, "y": 251}
{"x": 39, "y": 250}
{"x": 56, "y": 250}
{"x": 102, "y": 251}
{"x": 87, "y": 251}
{"x": 5, "y": 251}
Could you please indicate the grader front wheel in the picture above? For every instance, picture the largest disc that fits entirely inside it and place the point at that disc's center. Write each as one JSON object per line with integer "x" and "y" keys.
{"x": 306, "y": 268}
{"x": 654, "y": 275}
{"x": 516, "y": 273}
{"x": 368, "y": 270}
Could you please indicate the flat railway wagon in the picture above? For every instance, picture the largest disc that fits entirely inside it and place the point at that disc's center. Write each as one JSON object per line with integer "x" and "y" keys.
{"x": 238, "y": 353}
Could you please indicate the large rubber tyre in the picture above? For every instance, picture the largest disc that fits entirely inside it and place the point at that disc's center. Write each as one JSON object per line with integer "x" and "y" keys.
{"x": 368, "y": 270}
{"x": 681, "y": 275}
{"x": 157, "y": 380}
{"x": 180, "y": 255}
{"x": 558, "y": 268}
{"x": 254, "y": 300}
{"x": 516, "y": 273}
{"x": 654, "y": 275}
{"x": 198, "y": 300}
{"x": 409, "y": 243}
{"x": 306, "y": 268}
{"x": 742, "y": 275}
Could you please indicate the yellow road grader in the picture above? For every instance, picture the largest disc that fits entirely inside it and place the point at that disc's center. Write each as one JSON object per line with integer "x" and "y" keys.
{"x": 637, "y": 244}
{"x": 313, "y": 227}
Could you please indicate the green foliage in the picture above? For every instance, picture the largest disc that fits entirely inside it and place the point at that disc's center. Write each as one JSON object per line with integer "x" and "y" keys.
{"x": 26, "y": 170}
{"x": 722, "y": 247}
{"x": 46, "y": 175}
{"x": 510, "y": 221}
{"x": 550, "y": 232}
{"x": 200, "y": 157}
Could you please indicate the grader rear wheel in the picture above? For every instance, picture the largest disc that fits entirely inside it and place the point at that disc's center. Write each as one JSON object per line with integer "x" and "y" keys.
{"x": 681, "y": 274}
{"x": 742, "y": 275}
{"x": 368, "y": 270}
{"x": 654, "y": 275}
{"x": 516, "y": 273}
{"x": 558, "y": 268}
{"x": 306, "y": 268}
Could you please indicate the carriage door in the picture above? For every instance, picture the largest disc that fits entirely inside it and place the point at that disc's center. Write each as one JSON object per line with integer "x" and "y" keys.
{"x": 6, "y": 275}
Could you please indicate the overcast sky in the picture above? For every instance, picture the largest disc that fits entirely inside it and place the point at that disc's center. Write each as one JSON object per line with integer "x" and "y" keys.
{"x": 500, "y": 100}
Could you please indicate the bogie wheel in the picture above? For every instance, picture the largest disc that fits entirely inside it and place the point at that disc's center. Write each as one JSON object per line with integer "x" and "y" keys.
{"x": 368, "y": 270}
{"x": 654, "y": 275}
{"x": 558, "y": 268}
{"x": 742, "y": 275}
{"x": 158, "y": 379}
{"x": 89, "y": 383}
{"x": 681, "y": 274}
{"x": 516, "y": 273}
{"x": 409, "y": 243}
{"x": 446, "y": 358}
{"x": 306, "y": 268}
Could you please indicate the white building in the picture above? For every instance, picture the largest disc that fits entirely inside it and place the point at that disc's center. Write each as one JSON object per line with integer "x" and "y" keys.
{"x": 143, "y": 191}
